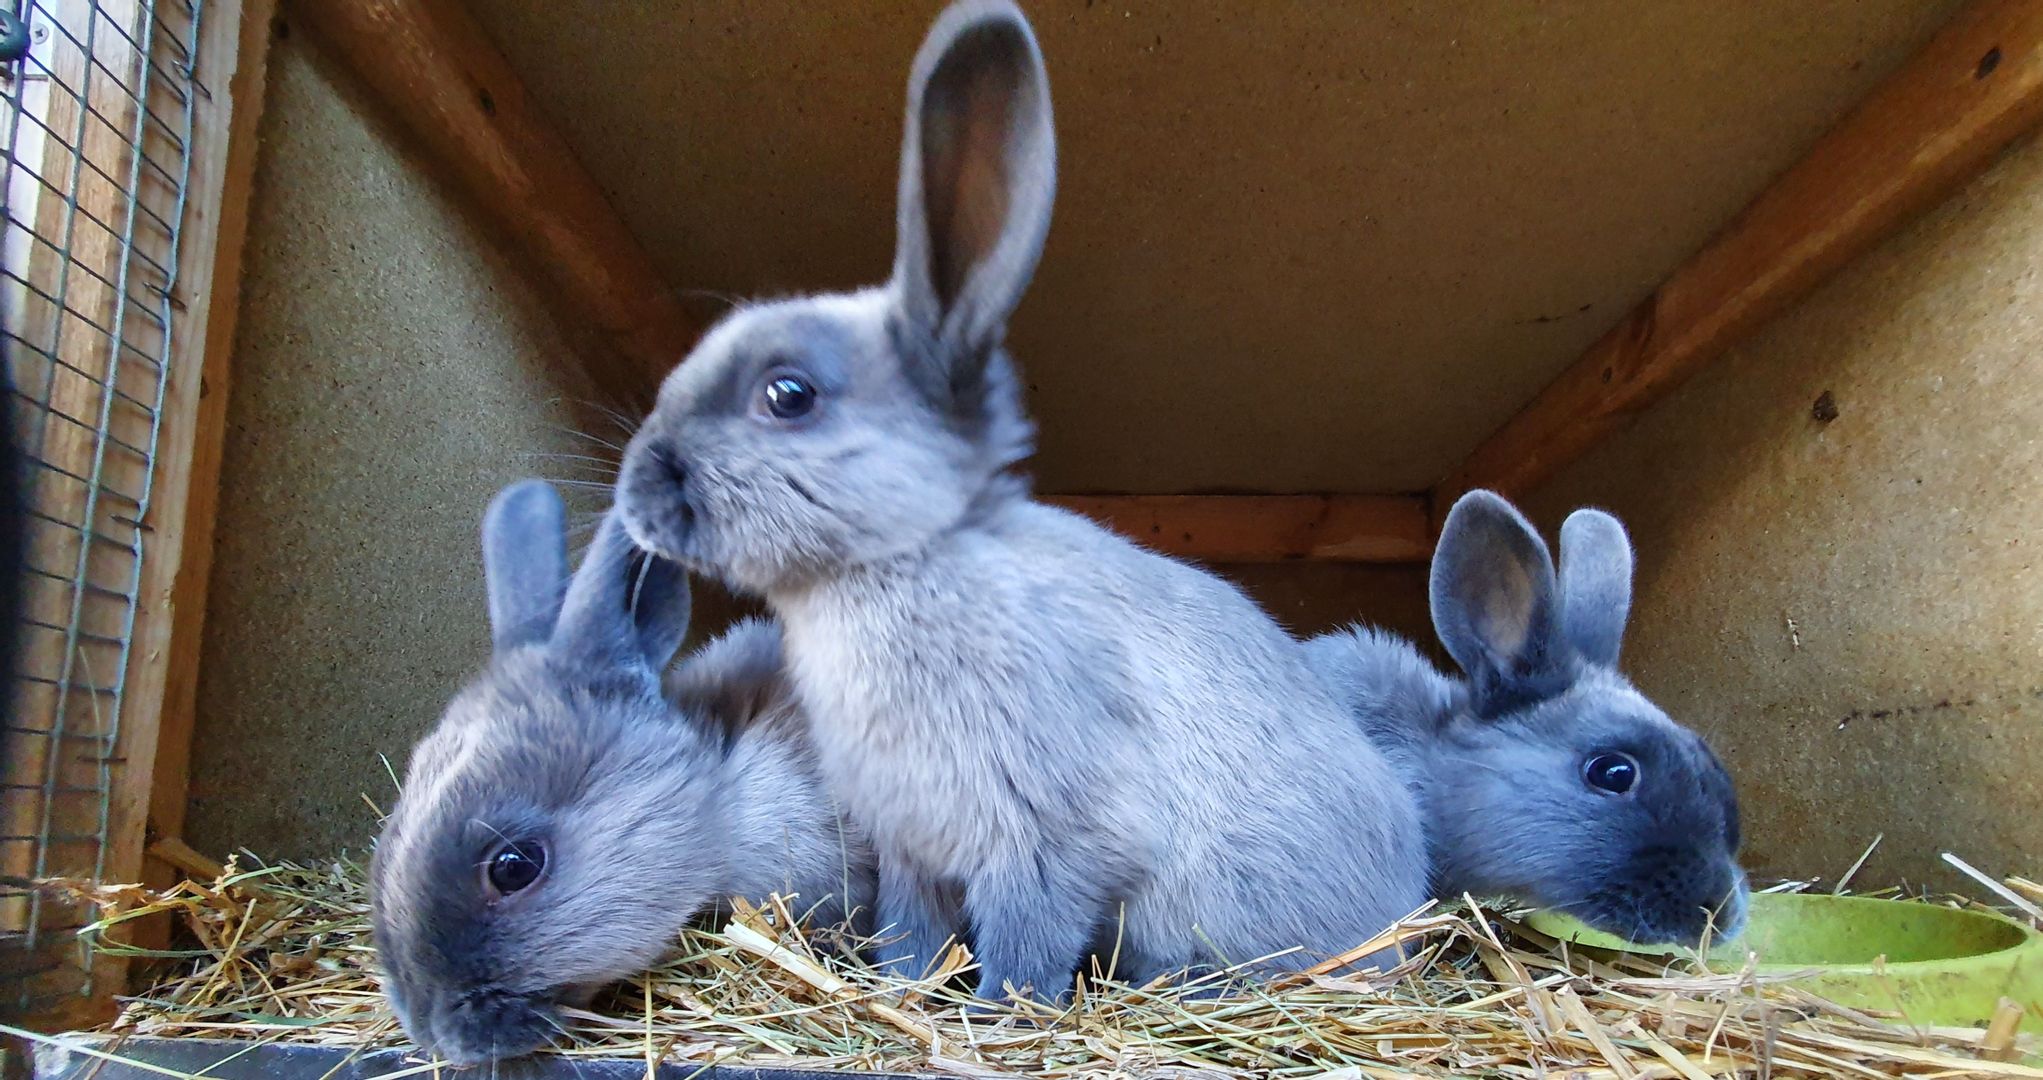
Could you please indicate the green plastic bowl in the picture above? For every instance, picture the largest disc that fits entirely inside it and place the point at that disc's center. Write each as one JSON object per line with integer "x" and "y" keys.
{"x": 1936, "y": 966}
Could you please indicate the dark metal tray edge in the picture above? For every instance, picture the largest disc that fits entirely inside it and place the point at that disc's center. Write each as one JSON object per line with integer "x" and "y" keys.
{"x": 67, "y": 1058}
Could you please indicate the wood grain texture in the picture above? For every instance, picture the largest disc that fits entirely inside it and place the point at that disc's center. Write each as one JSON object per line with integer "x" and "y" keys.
{"x": 395, "y": 364}
{"x": 1939, "y": 120}
{"x": 442, "y": 79}
{"x": 149, "y": 793}
{"x": 1266, "y": 528}
{"x": 91, "y": 327}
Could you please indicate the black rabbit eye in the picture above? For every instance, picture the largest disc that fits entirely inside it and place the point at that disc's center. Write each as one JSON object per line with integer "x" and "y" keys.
{"x": 789, "y": 396}
{"x": 1615, "y": 773}
{"x": 516, "y": 866}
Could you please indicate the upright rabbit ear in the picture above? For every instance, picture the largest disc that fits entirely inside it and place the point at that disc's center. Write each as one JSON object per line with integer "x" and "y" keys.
{"x": 625, "y": 608}
{"x": 1495, "y": 607}
{"x": 524, "y": 562}
{"x": 1596, "y": 584}
{"x": 978, "y": 176}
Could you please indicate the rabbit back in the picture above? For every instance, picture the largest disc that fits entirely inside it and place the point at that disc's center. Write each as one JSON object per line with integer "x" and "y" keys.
{"x": 1067, "y": 692}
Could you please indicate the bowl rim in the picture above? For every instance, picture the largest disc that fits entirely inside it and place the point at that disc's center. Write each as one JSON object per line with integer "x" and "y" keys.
{"x": 2028, "y": 939}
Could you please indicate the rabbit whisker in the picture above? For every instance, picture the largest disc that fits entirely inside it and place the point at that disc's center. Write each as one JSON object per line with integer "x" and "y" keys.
{"x": 1638, "y": 919}
{"x": 1472, "y": 760}
{"x": 554, "y": 1023}
{"x": 563, "y": 455}
{"x": 580, "y": 434}
{"x": 638, "y": 583}
{"x": 814, "y": 500}
{"x": 584, "y": 475}
{"x": 587, "y": 485}
{"x": 728, "y": 300}
{"x": 798, "y": 488}
{"x": 494, "y": 829}
{"x": 624, "y": 423}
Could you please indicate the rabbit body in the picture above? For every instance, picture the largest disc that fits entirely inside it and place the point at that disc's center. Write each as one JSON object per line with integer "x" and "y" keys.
{"x": 566, "y": 819}
{"x": 1506, "y": 763}
{"x": 1054, "y": 737}
{"x": 785, "y": 831}
{"x": 1053, "y": 728}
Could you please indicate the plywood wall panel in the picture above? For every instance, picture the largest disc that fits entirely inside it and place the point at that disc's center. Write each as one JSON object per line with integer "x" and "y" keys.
{"x": 393, "y": 368}
{"x": 1848, "y": 596}
{"x": 1299, "y": 247}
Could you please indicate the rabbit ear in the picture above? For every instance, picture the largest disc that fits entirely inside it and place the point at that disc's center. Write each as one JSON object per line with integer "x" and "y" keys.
{"x": 625, "y": 607}
{"x": 733, "y": 679}
{"x": 1596, "y": 584}
{"x": 978, "y": 175}
{"x": 1495, "y": 606}
{"x": 524, "y": 562}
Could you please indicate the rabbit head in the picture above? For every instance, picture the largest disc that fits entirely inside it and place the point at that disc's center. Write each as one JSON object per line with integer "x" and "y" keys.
{"x": 801, "y": 436}
{"x": 1557, "y": 781}
{"x": 555, "y": 828}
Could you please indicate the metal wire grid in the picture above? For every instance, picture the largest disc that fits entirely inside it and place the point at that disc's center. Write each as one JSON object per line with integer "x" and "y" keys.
{"x": 97, "y": 122}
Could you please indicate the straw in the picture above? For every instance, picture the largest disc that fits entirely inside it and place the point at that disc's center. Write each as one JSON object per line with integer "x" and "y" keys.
{"x": 282, "y": 952}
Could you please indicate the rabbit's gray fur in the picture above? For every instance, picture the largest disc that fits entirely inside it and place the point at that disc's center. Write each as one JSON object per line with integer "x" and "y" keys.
{"x": 1043, "y": 726}
{"x": 788, "y": 835}
{"x": 647, "y": 814}
{"x": 1498, "y": 758}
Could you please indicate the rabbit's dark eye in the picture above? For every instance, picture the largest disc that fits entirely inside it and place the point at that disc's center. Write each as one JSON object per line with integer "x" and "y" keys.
{"x": 789, "y": 396}
{"x": 1614, "y": 773}
{"x": 515, "y": 866}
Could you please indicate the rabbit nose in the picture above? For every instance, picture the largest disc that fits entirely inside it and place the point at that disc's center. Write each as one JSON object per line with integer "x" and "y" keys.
{"x": 1731, "y": 912}
{"x": 671, "y": 467}
{"x": 478, "y": 1029}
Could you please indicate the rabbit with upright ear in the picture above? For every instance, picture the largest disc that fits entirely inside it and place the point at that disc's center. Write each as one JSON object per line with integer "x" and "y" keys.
{"x": 565, "y": 820}
{"x": 1044, "y": 728}
{"x": 1543, "y": 774}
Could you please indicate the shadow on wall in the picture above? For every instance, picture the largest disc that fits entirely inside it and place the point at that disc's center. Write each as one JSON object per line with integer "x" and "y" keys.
{"x": 1840, "y": 578}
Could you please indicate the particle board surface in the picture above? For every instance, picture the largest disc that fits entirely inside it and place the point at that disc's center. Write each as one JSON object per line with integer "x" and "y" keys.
{"x": 1298, "y": 247}
{"x": 1840, "y": 572}
{"x": 393, "y": 368}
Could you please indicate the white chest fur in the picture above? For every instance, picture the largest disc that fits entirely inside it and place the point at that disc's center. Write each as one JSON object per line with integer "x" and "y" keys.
{"x": 913, "y": 730}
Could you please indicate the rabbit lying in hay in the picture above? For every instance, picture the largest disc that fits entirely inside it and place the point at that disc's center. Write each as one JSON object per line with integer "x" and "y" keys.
{"x": 566, "y": 818}
{"x": 1044, "y": 728}
{"x": 1543, "y": 774}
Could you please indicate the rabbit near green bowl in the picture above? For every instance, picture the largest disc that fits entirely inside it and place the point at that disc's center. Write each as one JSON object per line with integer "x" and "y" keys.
{"x": 1930, "y": 964}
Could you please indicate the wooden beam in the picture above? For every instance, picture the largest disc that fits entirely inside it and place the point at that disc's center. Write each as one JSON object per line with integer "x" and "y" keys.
{"x": 1938, "y": 121}
{"x": 84, "y": 291}
{"x": 1266, "y": 528}
{"x": 148, "y": 805}
{"x": 179, "y": 857}
{"x": 442, "y": 79}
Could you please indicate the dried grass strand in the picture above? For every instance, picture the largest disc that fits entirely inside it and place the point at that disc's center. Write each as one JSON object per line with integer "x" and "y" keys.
{"x": 282, "y": 953}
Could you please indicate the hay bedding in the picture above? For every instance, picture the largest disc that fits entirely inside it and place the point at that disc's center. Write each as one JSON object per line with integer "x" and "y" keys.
{"x": 283, "y": 954}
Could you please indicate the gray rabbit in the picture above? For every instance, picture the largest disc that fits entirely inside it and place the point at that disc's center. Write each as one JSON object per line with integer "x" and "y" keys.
{"x": 565, "y": 820}
{"x": 1053, "y": 736}
{"x": 1543, "y": 774}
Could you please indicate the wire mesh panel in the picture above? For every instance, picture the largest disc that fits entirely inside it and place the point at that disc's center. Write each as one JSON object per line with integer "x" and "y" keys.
{"x": 96, "y": 128}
